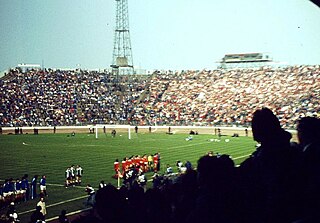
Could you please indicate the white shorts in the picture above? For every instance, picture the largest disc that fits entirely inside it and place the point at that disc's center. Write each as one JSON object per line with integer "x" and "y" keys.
{"x": 7, "y": 194}
{"x": 43, "y": 187}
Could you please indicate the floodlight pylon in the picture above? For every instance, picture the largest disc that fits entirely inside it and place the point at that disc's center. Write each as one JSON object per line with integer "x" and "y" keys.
{"x": 122, "y": 61}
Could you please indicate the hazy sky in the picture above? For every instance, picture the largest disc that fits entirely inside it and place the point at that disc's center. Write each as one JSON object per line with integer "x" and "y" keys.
{"x": 165, "y": 34}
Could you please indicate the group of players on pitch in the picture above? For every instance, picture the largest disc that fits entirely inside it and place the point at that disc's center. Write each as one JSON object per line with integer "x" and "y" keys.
{"x": 21, "y": 190}
{"x": 73, "y": 175}
{"x": 145, "y": 163}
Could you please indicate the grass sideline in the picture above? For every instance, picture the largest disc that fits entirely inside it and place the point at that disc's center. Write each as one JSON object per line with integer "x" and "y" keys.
{"x": 51, "y": 154}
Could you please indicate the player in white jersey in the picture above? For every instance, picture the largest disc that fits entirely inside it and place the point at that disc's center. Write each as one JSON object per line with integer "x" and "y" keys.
{"x": 68, "y": 177}
{"x": 73, "y": 175}
{"x": 79, "y": 172}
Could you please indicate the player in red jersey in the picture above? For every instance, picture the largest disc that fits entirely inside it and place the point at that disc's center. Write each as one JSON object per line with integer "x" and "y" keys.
{"x": 145, "y": 162}
{"x": 155, "y": 162}
{"x": 129, "y": 162}
{"x": 124, "y": 165}
{"x": 116, "y": 167}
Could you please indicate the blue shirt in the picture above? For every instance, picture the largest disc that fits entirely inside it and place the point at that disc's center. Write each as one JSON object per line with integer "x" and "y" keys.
{"x": 24, "y": 184}
{"x": 34, "y": 182}
{"x": 43, "y": 181}
{"x": 18, "y": 185}
{"x": 6, "y": 188}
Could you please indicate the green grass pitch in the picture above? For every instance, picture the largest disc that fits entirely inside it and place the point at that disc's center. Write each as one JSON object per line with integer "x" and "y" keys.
{"x": 51, "y": 154}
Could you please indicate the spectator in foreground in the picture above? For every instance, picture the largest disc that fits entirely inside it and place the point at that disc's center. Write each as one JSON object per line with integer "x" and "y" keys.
{"x": 37, "y": 215}
{"x": 266, "y": 175}
{"x": 216, "y": 196}
{"x": 63, "y": 218}
{"x": 109, "y": 207}
{"x": 12, "y": 213}
{"x": 309, "y": 139}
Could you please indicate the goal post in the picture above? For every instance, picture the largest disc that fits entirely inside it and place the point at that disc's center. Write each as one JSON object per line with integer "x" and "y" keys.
{"x": 108, "y": 128}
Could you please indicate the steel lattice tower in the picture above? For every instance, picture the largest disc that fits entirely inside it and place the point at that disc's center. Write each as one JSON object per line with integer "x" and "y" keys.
{"x": 122, "y": 62}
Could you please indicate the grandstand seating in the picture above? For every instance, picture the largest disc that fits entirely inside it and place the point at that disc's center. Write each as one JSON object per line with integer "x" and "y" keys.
{"x": 210, "y": 97}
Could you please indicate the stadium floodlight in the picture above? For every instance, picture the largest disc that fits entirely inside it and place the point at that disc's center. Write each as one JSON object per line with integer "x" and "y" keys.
{"x": 122, "y": 60}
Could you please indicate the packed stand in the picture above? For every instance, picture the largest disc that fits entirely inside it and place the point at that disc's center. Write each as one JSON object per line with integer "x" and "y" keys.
{"x": 58, "y": 97}
{"x": 227, "y": 97}
{"x": 220, "y": 97}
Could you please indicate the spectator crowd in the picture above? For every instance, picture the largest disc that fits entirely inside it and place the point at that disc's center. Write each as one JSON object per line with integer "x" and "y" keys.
{"x": 227, "y": 97}
{"x": 207, "y": 97}
{"x": 56, "y": 97}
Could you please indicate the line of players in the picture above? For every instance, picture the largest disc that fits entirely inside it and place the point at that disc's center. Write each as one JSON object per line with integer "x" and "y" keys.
{"x": 145, "y": 163}
{"x": 73, "y": 175}
{"x": 21, "y": 190}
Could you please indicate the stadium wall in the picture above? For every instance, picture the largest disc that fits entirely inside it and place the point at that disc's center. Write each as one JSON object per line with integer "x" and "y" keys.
{"x": 225, "y": 131}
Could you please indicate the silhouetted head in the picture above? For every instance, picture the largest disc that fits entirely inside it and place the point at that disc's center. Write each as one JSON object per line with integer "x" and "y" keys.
{"x": 108, "y": 202}
{"x": 308, "y": 130}
{"x": 264, "y": 125}
{"x": 63, "y": 212}
{"x": 215, "y": 171}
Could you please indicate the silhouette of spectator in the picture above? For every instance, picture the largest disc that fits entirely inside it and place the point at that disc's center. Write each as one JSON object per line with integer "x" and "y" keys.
{"x": 109, "y": 205}
{"x": 309, "y": 138}
{"x": 63, "y": 217}
{"x": 136, "y": 203}
{"x": 188, "y": 165}
{"x": 183, "y": 195}
{"x": 216, "y": 190}
{"x": 37, "y": 215}
{"x": 12, "y": 213}
{"x": 266, "y": 174}
{"x": 158, "y": 208}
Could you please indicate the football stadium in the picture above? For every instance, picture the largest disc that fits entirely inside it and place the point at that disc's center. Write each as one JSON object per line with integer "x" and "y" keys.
{"x": 238, "y": 142}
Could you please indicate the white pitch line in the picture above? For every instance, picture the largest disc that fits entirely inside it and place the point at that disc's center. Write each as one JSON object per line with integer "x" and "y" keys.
{"x": 55, "y": 204}
{"x": 62, "y": 185}
{"x": 71, "y": 213}
{"x": 55, "y": 185}
{"x": 239, "y": 157}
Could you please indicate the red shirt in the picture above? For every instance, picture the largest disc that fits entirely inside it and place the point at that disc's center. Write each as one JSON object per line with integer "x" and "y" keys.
{"x": 116, "y": 166}
{"x": 155, "y": 158}
{"x": 124, "y": 165}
